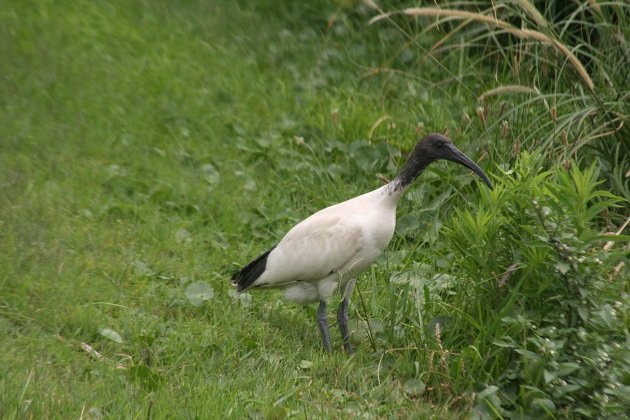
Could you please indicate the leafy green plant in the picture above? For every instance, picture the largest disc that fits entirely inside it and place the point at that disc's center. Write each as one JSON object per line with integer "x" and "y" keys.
{"x": 536, "y": 307}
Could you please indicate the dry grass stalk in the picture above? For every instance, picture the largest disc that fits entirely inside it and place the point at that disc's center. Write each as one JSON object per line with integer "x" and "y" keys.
{"x": 508, "y": 89}
{"x": 448, "y": 36}
{"x": 371, "y": 4}
{"x": 617, "y": 270}
{"x": 90, "y": 350}
{"x": 497, "y": 23}
{"x": 482, "y": 113}
{"x": 505, "y": 128}
{"x": 610, "y": 244}
{"x": 532, "y": 11}
{"x": 595, "y": 6}
{"x": 506, "y": 275}
{"x": 376, "y": 124}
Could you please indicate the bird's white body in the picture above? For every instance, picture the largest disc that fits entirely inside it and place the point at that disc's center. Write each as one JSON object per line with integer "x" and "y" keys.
{"x": 326, "y": 251}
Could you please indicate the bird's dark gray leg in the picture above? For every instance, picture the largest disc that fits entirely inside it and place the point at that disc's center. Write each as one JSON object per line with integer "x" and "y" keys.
{"x": 322, "y": 322}
{"x": 342, "y": 319}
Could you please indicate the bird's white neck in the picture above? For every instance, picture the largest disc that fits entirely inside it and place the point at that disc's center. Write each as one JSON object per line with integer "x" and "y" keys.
{"x": 389, "y": 193}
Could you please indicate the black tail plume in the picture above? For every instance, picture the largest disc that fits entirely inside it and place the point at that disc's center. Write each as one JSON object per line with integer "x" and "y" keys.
{"x": 247, "y": 275}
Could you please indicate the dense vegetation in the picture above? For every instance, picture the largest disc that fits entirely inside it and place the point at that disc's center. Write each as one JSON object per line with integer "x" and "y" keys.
{"x": 148, "y": 149}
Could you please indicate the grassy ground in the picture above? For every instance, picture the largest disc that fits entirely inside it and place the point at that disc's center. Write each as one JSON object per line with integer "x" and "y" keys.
{"x": 148, "y": 148}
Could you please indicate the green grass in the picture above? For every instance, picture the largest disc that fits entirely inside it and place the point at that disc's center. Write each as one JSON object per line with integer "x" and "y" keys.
{"x": 147, "y": 146}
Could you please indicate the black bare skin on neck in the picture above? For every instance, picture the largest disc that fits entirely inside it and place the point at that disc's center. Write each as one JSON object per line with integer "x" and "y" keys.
{"x": 416, "y": 163}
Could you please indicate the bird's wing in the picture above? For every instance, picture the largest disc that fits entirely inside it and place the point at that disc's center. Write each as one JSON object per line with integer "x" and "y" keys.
{"x": 315, "y": 248}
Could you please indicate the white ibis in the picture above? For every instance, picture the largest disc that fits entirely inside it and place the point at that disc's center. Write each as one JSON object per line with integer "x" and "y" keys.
{"x": 326, "y": 251}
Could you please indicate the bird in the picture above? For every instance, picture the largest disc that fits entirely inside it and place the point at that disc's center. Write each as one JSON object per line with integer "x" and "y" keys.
{"x": 326, "y": 252}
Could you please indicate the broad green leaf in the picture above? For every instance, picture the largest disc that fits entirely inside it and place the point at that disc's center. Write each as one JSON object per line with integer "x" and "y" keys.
{"x": 111, "y": 334}
{"x": 276, "y": 413}
{"x": 182, "y": 235}
{"x": 546, "y": 404}
{"x": 567, "y": 368}
{"x": 549, "y": 376}
{"x": 529, "y": 354}
{"x": 491, "y": 390}
{"x": 506, "y": 342}
{"x": 415, "y": 387}
{"x": 563, "y": 267}
{"x": 211, "y": 175}
{"x": 141, "y": 268}
{"x": 306, "y": 364}
{"x": 198, "y": 292}
{"x": 413, "y": 277}
{"x": 408, "y": 225}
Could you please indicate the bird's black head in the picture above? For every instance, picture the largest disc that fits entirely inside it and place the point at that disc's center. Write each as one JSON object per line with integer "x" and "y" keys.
{"x": 433, "y": 147}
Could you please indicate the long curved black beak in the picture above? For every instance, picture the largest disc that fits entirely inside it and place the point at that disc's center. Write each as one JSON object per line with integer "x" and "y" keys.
{"x": 457, "y": 156}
